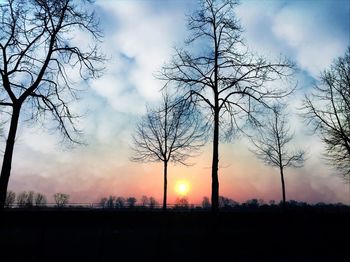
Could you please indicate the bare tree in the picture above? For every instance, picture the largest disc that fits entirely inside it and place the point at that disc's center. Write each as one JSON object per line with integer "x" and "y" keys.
{"x": 254, "y": 203}
{"x": 181, "y": 203}
{"x": 30, "y": 199}
{"x": 110, "y": 202}
{"x": 120, "y": 202}
{"x": 225, "y": 202}
{"x": 40, "y": 200}
{"x": 206, "y": 203}
{"x": 10, "y": 198}
{"x": 171, "y": 132}
{"x": 144, "y": 201}
{"x": 39, "y": 50}
{"x": 220, "y": 76}
{"x": 21, "y": 199}
{"x": 272, "y": 145}
{"x": 153, "y": 202}
{"x": 61, "y": 199}
{"x": 103, "y": 202}
{"x": 327, "y": 110}
{"x": 131, "y": 202}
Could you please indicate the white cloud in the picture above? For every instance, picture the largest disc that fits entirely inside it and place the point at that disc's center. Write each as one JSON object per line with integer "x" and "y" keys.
{"x": 146, "y": 37}
{"x": 313, "y": 33}
{"x": 315, "y": 44}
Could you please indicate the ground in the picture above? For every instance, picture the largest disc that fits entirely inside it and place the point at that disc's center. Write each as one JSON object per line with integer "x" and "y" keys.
{"x": 188, "y": 235}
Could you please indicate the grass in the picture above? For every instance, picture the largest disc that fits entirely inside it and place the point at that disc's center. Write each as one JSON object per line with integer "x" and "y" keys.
{"x": 184, "y": 235}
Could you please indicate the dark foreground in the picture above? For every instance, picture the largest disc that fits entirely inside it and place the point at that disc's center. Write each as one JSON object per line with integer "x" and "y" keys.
{"x": 107, "y": 235}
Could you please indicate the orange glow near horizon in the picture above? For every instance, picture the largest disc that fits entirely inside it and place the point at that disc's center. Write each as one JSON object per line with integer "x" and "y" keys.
{"x": 96, "y": 177}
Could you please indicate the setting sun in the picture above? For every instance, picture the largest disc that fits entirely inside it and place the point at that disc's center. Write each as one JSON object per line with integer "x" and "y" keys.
{"x": 182, "y": 187}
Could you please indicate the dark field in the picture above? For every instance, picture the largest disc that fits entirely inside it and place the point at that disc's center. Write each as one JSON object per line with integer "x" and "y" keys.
{"x": 139, "y": 235}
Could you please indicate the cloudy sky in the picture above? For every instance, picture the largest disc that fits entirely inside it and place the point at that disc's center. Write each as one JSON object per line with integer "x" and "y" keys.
{"x": 139, "y": 38}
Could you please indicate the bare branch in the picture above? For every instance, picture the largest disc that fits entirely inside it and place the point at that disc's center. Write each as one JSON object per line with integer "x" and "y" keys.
{"x": 272, "y": 144}
{"x": 36, "y": 49}
{"x": 327, "y": 110}
{"x": 172, "y": 132}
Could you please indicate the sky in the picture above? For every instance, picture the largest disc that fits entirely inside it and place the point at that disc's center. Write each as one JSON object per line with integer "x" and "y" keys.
{"x": 139, "y": 37}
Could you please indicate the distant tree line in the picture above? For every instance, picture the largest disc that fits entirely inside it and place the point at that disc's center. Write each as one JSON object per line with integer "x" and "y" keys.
{"x": 226, "y": 203}
{"x": 28, "y": 199}
{"x": 31, "y": 199}
{"x": 128, "y": 202}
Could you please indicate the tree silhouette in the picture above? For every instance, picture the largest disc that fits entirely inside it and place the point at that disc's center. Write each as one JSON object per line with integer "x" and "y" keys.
{"x": 38, "y": 53}
{"x": 10, "y": 198}
{"x": 206, "y": 203}
{"x": 120, "y": 202}
{"x": 171, "y": 132}
{"x": 103, "y": 202}
{"x": 327, "y": 110}
{"x": 144, "y": 201}
{"x": 225, "y": 202}
{"x": 220, "y": 76}
{"x": 254, "y": 203}
{"x": 110, "y": 202}
{"x": 181, "y": 203}
{"x": 131, "y": 202}
{"x": 272, "y": 145}
{"x": 153, "y": 202}
{"x": 40, "y": 200}
{"x": 61, "y": 199}
{"x": 21, "y": 199}
{"x": 30, "y": 199}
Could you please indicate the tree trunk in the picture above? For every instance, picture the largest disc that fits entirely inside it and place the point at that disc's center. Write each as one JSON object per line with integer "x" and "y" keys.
{"x": 283, "y": 188}
{"x": 215, "y": 165}
{"x": 7, "y": 160}
{"x": 349, "y": 191}
{"x": 165, "y": 184}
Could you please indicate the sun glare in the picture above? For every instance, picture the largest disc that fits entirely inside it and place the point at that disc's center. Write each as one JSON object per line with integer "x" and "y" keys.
{"x": 182, "y": 187}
